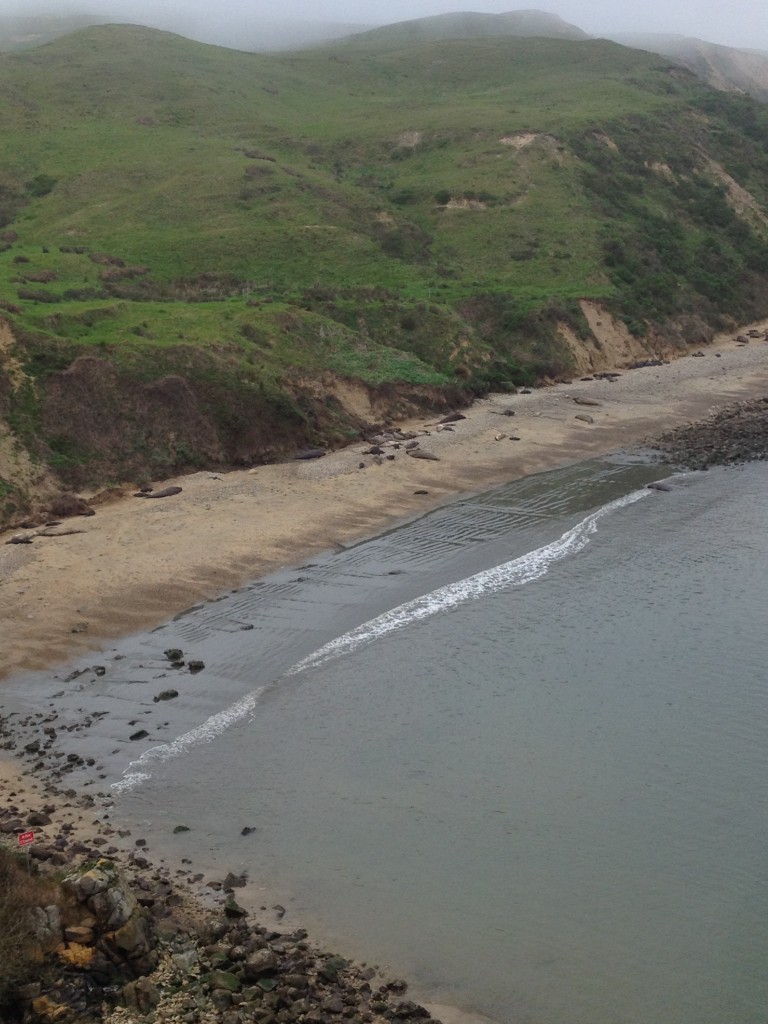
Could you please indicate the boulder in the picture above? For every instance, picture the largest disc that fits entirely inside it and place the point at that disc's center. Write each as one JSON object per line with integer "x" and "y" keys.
{"x": 165, "y": 695}
{"x": 76, "y": 955}
{"x": 260, "y": 964}
{"x": 89, "y": 883}
{"x": 233, "y": 909}
{"x": 233, "y": 881}
{"x": 106, "y": 895}
{"x": 141, "y": 995}
{"x": 224, "y": 980}
{"x": 45, "y": 923}
{"x": 132, "y": 937}
{"x": 80, "y": 934}
{"x": 47, "y": 1009}
{"x": 113, "y": 907}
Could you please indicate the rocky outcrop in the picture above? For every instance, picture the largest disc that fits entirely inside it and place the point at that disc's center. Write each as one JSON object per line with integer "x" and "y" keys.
{"x": 123, "y": 950}
{"x": 95, "y": 940}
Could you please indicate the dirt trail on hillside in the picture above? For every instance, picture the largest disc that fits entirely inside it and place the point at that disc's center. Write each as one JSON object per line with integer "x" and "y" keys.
{"x": 137, "y": 562}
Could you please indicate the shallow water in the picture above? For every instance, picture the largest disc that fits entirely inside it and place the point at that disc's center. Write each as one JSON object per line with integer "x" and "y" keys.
{"x": 540, "y": 793}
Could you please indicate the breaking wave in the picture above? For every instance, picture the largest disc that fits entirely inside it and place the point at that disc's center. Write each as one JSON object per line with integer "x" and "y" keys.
{"x": 525, "y": 569}
{"x": 517, "y": 572}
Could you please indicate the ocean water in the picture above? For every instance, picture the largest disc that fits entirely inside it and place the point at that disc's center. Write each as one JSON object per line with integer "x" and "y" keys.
{"x": 517, "y": 750}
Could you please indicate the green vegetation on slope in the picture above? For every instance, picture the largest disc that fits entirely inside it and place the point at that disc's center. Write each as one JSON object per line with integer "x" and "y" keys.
{"x": 395, "y": 212}
{"x": 21, "y": 895}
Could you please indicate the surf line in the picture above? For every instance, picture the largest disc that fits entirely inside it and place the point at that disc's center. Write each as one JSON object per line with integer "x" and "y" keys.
{"x": 524, "y": 569}
{"x": 138, "y": 771}
{"x": 519, "y": 571}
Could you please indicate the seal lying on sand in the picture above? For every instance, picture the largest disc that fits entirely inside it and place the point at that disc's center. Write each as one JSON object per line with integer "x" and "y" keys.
{"x": 659, "y": 485}
{"x": 165, "y": 493}
{"x": 418, "y": 453}
{"x": 313, "y": 453}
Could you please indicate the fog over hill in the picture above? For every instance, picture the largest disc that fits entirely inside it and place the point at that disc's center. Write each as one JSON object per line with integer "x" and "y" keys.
{"x": 253, "y": 33}
{"x": 723, "y": 67}
{"x": 726, "y": 68}
{"x": 468, "y": 25}
{"x": 257, "y": 25}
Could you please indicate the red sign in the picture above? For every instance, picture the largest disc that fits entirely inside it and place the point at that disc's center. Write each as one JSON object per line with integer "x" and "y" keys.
{"x": 25, "y": 838}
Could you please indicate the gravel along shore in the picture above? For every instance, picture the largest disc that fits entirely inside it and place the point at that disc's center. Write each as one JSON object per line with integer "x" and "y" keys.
{"x": 738, "y": 433}
{"x": 126, "y": 938}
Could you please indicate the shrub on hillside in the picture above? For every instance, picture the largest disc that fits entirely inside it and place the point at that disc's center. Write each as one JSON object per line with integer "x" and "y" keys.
{"x": 37, "y": 295}
{"x": 20, "y": 893}
{"x": 40, "y": 185}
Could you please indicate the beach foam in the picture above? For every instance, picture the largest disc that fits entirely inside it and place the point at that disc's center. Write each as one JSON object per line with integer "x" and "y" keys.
{"x": 525, "y": 569}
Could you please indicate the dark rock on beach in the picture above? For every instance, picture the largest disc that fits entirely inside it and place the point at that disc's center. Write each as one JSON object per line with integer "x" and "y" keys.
{"x": 165, "y": 695}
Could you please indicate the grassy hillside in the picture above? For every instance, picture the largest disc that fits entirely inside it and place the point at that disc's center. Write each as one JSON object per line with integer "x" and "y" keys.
{"x": 407, "y": 214}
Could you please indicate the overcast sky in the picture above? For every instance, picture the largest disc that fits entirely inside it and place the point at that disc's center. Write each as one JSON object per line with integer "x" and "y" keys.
{"x": 739, "y": 23}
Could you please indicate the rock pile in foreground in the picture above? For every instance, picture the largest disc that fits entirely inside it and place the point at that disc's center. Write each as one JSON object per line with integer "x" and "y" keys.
{"x": 737, "y": 434}
{"x": 122, "y": 951}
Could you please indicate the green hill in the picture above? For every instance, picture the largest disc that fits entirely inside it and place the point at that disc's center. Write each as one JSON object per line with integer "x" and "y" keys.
{"x": 469, "y": 25}
{"x": 414, "y": 217}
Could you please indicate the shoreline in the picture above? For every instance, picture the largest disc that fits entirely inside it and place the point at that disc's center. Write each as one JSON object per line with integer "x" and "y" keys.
{"x": 155, "y": 858}
{"x": 136, "y": 563}
{"x": 629, "y": 415}
{"x": 75, "y": 830}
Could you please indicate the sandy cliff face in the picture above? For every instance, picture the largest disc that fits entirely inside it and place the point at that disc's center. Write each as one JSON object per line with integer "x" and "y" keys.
{"x": 610, "y": 345}
{"x": 729, "y": 69}
{"x": 93, "y": 424}
{"x": 95, "y": 427}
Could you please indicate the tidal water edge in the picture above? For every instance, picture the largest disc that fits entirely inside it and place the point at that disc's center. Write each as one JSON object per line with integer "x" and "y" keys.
{"x": 516, "y": 748}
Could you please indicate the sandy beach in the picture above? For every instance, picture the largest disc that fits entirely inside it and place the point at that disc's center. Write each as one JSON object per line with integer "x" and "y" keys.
{"x": 137, "y": 562}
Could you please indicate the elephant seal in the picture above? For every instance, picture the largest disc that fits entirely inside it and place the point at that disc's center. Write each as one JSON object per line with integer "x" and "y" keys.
{"x": 313, "y": 453}
{"x": 659, "y": 485}
{"x": 417, "y": 453}
{"x": 165, "y": 493}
